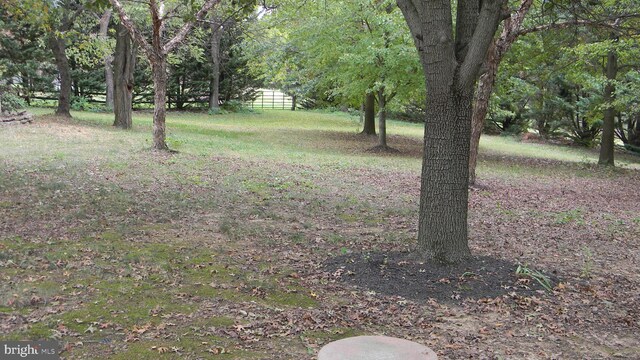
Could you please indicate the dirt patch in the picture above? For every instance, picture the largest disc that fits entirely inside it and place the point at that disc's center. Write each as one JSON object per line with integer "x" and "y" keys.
{"x": 65, "y": 129}
{"x": 383, "y": 149}
{"x": 398, "y": 145}
{"x": 403, "y": 274}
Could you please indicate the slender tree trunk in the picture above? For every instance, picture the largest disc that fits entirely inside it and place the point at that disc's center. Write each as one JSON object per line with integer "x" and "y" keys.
{"x": 108, "y": 70}
{"x": 495, "y": 54}
{"x": 159, "y": 71}
{"x": 382, "y": 119}
{"x": 216, "y": 36}
{"x": 543, "y": 121}
{"x": 294, "y": 99}
{"x": 26, "y": 85}
{"x": 633, "y": 132}
{"x": 124, "y": 66}
{"x": 369, "y": 114}
{"x": 608, "y": 126}
{"x": 481, "y": 105}
{"x": 109, "y": 82}
{"x": 58, "y": 48}
{"x": 180, "y": 80}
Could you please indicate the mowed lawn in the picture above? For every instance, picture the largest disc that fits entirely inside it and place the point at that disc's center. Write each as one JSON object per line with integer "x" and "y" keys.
{"x": 222, "y": 250}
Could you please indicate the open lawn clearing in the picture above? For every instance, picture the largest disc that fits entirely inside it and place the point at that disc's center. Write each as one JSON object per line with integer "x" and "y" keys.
{"x": 265, "y": 237}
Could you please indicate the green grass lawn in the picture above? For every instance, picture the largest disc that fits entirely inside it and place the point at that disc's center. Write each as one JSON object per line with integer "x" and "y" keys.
{"x": 301, "y": 137}
{"x": 122, "y": 252}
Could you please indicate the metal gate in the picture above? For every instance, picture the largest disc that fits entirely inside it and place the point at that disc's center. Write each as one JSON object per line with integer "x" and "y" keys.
{"x": 272, "y": 99}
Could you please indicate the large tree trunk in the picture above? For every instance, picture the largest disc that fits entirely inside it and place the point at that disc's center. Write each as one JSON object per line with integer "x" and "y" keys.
{"x": 369, "y": 114}
{"x": 442, "y": 232}
{"x": 216, "y": 36}
{"x": 451, "y": 56}
{"x": 124, "y": 66}
{"x": 159, "y": 72}
{"x": 58, "y": 48}
{"x": 608, "y": 126}
{"x": 382, "y": 119}
{"x": 108, "y": 70}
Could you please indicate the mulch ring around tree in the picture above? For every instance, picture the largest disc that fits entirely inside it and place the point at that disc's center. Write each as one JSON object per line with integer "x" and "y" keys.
{"x": 404, "y": 274}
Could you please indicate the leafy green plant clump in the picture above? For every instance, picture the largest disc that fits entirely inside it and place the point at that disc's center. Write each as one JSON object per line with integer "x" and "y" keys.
{"x": 524, "y": 271}
{"x": 232, "y": 106}
{"x": 11, "y": 102}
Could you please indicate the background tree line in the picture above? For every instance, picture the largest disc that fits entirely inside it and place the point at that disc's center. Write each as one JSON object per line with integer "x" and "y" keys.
{"x": 552, "y": 81}
{"x": 40, "y": 37}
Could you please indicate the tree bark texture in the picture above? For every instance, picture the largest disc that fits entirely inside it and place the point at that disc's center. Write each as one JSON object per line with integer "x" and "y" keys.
{"x": 608, "y": 126}
{"x": 58, "y": 47}
{"x": 108, "y": 69}
{"x": 451, "y": 57}
{"x": 124, "y": 66}
{"x": 382, "y": 119}
{"x": 442, "y": 231}
{"x": 369, "y": 114}
{"x": 216, "y": 36}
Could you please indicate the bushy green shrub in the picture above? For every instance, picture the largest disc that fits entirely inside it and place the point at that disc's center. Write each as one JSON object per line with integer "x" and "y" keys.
{"x": 236, "y": 106}
{"x": 11, "y": 102}
{"x": 80, "y": 103}
{"x": 217, "y": 111}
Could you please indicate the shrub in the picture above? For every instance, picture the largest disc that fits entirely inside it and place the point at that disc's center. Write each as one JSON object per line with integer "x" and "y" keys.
{"x": 11, "y": 102}
{"x": 80, "y": 103}
{"x": 236, "y": 106}
{"x": 217, "y": 111}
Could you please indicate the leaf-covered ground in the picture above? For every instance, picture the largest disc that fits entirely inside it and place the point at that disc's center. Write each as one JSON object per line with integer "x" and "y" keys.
{"x": 270, "y": 235}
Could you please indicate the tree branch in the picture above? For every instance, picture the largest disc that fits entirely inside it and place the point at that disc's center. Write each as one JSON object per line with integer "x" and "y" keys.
{"x": 221, "y": 23}
{"x": 182, "y": 33}
{"x": 483, "y": 34}
{"x": 612, "y": 23}
{"x": 412, "y": 14}
{"x": 68, "y": 21}
{"x": 466, "y": 23}
{"x": 513, "y": 23}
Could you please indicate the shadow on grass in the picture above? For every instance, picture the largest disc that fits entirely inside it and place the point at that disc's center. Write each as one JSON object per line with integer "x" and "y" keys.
{"x": 350, "y": 143}
{"x": 403, "y": 274}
